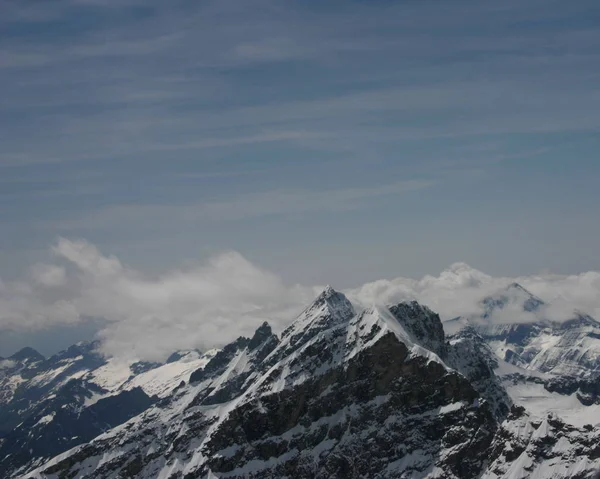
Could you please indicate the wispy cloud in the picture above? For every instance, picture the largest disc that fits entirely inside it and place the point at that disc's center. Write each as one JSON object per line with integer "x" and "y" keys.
{"x": 140, "y": 83}
{"x": 248, "y": 206}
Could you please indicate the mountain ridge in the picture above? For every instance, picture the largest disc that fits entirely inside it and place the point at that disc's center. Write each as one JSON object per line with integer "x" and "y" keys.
{"x": 343, "y": 392}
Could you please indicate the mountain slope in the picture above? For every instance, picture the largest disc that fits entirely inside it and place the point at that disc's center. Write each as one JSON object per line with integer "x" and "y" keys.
{"x": 48, "y": 406}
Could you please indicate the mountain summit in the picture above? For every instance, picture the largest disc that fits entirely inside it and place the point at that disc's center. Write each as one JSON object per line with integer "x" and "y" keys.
{"x": 513, "y": 294}
{"x": 26, "y": 354}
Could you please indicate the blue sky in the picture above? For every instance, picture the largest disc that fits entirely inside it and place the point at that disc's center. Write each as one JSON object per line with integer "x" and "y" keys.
{"x": 330, "y": 142}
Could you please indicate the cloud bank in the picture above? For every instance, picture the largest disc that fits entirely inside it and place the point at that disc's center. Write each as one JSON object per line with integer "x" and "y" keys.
{"x": 148, "y": 317}
{"x": 459, "y": 291}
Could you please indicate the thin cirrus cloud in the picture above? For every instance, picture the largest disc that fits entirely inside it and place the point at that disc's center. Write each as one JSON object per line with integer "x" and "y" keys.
{"x": 148, "y": 317}
{"x": 151, "y": 82}
{"x": 252, "y": 205}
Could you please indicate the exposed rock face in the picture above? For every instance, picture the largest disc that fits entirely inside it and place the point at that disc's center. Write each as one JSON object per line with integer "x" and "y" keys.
{"x": 260, "y": 336}
{"x": 381, "y": 414}
{"x": 469, "y": 354}
{"x": 423, "y": 324}
{"x": 28, "y": 379}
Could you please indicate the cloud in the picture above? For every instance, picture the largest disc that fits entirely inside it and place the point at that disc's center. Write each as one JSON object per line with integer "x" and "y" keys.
{"x": 251, "y": 205}
{"x": 150, "y": 317}
{"x": 49, "y": 275}
{"x": 459, "y": 290}
{"x": 136, "y": 83}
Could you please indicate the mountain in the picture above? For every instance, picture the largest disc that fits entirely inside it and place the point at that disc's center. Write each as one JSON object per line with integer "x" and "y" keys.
{"x": 345, "y": 392}
{"x": 568, "y": 347}
{"x": 545, "y": 366}
{"x": 48, "y": 406}
{"x": 26, "y": 354}
{"x": 514, "y": 293}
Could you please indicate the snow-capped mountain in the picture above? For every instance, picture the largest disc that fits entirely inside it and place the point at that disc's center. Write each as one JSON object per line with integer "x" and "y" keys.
{"x": 545, "y": 366}
{"x": 570, "y": 347}
{"x": 344, "y": 392}
{"x": 50, "y": 405}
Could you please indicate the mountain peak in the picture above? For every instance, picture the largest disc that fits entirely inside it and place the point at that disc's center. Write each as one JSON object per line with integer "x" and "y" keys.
{"x": 517, "y": 286}
{"x": 262, "y": 333}
{"x": 514, "y": 294}
{"x": 333, "y": 301}
{"x": 422, "y": 323}
{"x": 27, "y": 353}
{"x": 327, "y": 292}
{"x": 331, "y": 308}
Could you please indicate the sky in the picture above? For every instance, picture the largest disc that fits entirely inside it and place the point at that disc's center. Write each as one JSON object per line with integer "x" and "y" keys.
{"x": 304, "y": 143}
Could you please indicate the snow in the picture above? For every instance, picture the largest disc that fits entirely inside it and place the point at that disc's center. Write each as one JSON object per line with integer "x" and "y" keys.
{"x": 7, "y": 364}
{"x": 323, "y": 447}
{"x": 383, "y": 319}
{"x": 451, "y": 407}
{"x": 255, "y": 465}
{"x": 112, "y": 375}
{"x": 9, "y": 386}
{"x": 48, "y": 376}
{"x": 540, "y": 402}
{"x": 415, "y": 460}
{"x": 93, "y": 399}
{"x": 161, "y": 381}
{"x": 45, "y": 419}
{"x": 116, "y": 375}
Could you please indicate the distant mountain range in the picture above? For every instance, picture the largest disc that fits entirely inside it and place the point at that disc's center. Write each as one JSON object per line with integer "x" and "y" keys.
{"x": 345, "y": 392}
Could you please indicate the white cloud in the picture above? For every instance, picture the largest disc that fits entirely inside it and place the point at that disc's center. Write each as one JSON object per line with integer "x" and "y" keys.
{"x": 49, "y": 275}
{"x": 210, "y": 304}
{"x": 150, "y": 317}
{"x": 459, "y": 290}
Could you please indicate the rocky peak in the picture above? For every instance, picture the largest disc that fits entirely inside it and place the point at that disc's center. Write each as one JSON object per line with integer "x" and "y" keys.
{"x": 262, "y": 333}
{"x": 341, "y": 395}
{"x": 26, "y": 353}
{"x": 330, "y": 309}
{"x": 423, "y": 324}
{"x": 176, "y": 356}
{"x": 334, "y": 302}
